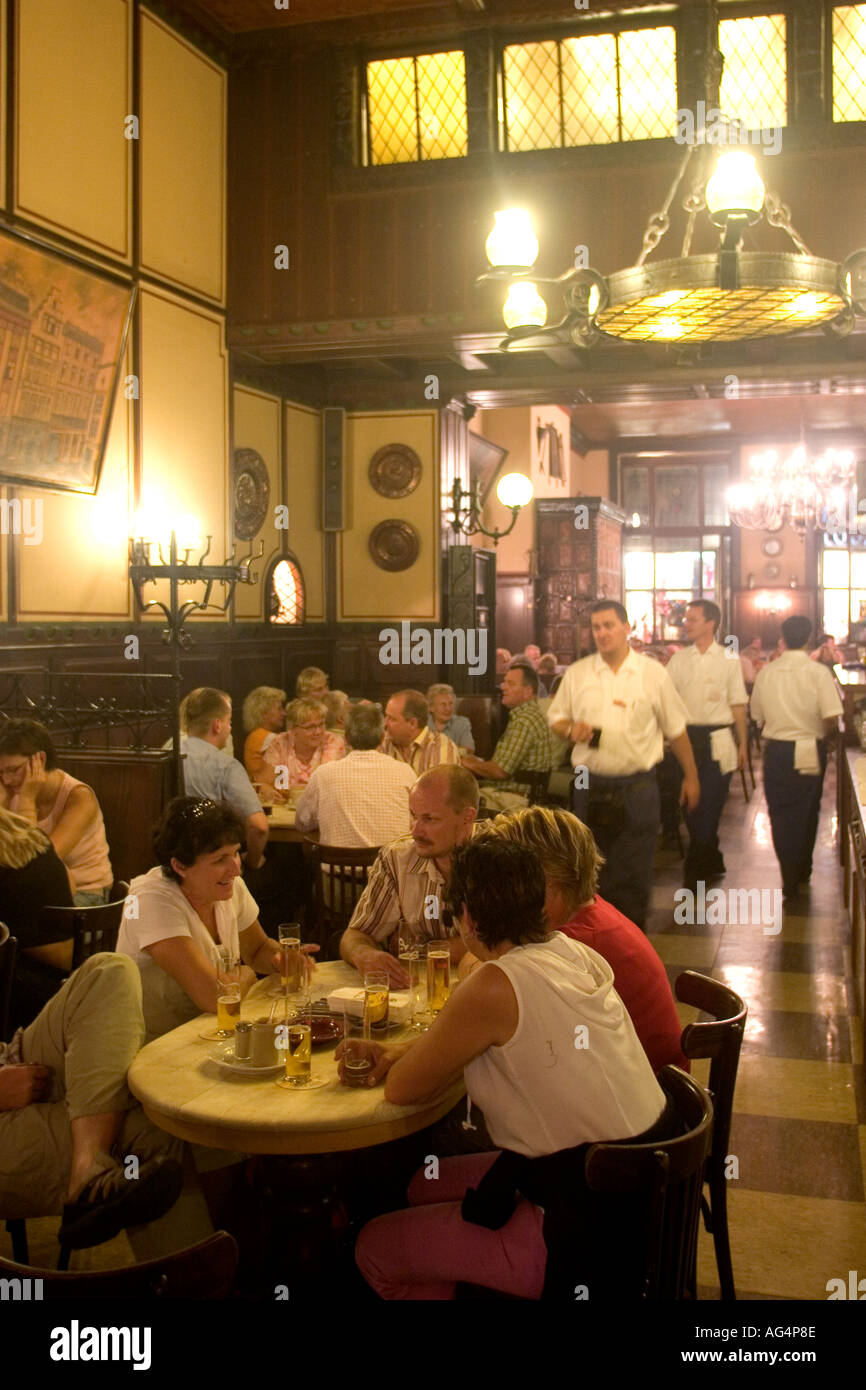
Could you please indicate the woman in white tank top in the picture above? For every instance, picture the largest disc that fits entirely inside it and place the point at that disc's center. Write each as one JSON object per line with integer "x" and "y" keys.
{"x": 549, "y": 1053}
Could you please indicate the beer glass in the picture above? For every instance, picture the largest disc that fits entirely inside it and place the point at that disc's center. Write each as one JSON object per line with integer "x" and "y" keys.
{"x": 357, "y": 1063}
{"x": 291, "y": 963}
{"x": 415, "y": 965}
{"x": 438, "y": 977}
{"x": 294, "y": 1042}
{"x": 376, "y": 996}
{"x": 228, "y": 1010}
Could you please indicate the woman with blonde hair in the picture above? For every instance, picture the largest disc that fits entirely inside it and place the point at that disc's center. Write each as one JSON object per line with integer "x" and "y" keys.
{"x": 571, "y": 862}
{"x": 264, "y": 716}
{"x": 32, "y": 876}
{"x": 290, "y": 759}
{"x": 312, "y": 683}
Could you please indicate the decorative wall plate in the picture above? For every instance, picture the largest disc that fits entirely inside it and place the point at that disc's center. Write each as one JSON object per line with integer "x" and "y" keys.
{"x": 395, "y": 470}
{"x": 394, "y": 545}
{"x": 772, "y": 571}
{"x": 772, "y": 546}
{"x": 252, "y": 490}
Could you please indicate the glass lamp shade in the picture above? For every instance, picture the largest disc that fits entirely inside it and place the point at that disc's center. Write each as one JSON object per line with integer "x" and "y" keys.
{"x": 514, "y": 490}
{"x": 524, "y": 306}
{"x": 512, "y": 242}
{"x": 735, "y": 188}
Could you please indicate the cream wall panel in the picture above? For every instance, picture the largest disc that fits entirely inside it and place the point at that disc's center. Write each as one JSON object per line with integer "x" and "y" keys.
{"x": 3, "y": 51}
{"x": 303, "y": 454}
{"x": 182, "y": 161}
{"x": 510, "y": 428}
{"x": 257, "y": 426}
{"x": 79, "y": 570}
{"x": 74, "y": 92}
{"x": 367, "y": 593}
{"x": 184, "y": 421}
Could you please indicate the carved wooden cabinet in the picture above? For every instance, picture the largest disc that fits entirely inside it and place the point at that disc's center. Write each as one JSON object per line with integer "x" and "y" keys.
{"x": 579, "y": 560}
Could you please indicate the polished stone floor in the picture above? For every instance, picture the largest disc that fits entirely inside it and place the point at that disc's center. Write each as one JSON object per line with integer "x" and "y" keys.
{"x": 797, "y": 1210}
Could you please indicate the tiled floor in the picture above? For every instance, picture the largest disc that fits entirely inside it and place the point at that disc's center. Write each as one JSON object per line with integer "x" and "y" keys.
{"x": 797, "y": 1211}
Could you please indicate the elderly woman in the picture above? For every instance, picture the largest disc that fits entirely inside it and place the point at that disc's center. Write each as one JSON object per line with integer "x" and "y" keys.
{"x": 290, "y": 759}
{"x": 34, "y": 787}
{"x": 515, "y": 1031}
{"x": 337, "y": 706}
{"x": 193, "y": 902}
{"x": 312, "y": 683}
{"x": 264, "y": 715}
{"x": 443, "y": 720}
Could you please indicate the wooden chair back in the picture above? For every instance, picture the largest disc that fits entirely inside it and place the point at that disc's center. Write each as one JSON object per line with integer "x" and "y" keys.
{"x": 339, "y": 879}
{"x": 202, "y": 1272}
{"x": 92, "y": 929}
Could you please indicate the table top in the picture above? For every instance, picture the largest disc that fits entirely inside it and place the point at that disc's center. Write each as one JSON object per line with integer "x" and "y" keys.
{"x": 186, "y": 1093}
{"x": 281, "y": 825}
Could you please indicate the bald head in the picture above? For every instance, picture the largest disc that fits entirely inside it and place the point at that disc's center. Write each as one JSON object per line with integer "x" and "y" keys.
{"x": 452, "y": 782}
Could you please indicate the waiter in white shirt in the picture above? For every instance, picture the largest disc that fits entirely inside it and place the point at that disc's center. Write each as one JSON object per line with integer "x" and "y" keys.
{"x": 799, "y": 705}
{"x": 709, "y": 681}
{"x": 617, "y": 708}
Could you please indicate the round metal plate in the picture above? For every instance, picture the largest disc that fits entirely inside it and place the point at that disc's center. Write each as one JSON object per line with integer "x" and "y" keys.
{"x": 395, "y": 470}
{"x": 252, "y": 491}
{"x": 394, "y": 545}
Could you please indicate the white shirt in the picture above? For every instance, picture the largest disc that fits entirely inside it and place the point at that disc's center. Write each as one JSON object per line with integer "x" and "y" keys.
{"x": 552, "y": 1086}
{"x": 361, "y": 800}
{"x": 164, "y": 912}
{"x": 793, "y": 696}
{"x": 636, "y": 709}
{"x": 708, "y": 683}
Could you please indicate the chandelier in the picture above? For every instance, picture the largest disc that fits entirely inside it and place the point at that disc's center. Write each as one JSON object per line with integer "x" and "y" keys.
{"x": 729, "y": 295}
{"x": 805, "y": 494}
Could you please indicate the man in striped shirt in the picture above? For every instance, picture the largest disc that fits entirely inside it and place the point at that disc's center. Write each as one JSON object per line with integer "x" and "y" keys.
{"x": 408, "y": 738}
{"x": 405, "y": 894}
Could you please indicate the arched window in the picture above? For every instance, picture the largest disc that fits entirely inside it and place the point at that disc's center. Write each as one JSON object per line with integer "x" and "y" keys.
{"x": 286, "y": 598}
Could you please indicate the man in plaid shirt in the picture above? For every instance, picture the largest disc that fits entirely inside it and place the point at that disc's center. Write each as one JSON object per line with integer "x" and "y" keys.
{"x": 526, "y": 743}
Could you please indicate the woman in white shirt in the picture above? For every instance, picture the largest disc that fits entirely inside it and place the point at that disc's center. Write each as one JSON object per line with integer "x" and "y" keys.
{"x": 550, "y": 1054}
{"x": 179, "y": 914}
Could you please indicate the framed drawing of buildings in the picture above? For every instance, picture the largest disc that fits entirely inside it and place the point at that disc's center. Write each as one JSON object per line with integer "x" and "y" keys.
{"x": 63, "y": 328}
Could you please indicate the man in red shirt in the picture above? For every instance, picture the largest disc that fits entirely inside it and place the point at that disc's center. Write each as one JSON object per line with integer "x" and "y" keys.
{"x": 571, "y": 863}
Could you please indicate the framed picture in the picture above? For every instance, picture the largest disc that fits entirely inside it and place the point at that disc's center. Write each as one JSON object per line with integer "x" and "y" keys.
{"x": 485, "y": 462}
{"x": 63, "y": 328}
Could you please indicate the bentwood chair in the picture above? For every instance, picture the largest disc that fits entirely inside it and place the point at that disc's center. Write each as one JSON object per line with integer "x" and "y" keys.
{"x": 656, "y": 1259}
{"x": 339, "y": 879}
{"x": 92, "y": 929}
{"x": 203, "y": 1271}
{"x": 8, "y": 953}
{"x": 536, "y": 783}
{"x": 719, "y": 1039}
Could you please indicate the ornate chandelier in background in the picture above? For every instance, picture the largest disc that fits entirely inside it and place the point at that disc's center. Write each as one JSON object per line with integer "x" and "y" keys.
{"x": 805, "y": 494}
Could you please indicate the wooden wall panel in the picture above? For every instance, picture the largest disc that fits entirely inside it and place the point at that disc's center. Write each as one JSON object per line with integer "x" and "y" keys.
{"x": 80, "y": 567}
{"x": 256, "y": 425}
{"x": 184, "y": 419}
{"x": 73, "y": 93}
{"x": 366, "y": 593}
{"x": 183, "y": 144}
{"x": 302, "y": 444}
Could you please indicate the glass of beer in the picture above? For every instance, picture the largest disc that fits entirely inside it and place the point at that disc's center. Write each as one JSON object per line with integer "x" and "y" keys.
{"x": 294, "y": 1040}
{"x": 228, "y": 1009}
{"x": 414, "y": 963}
{"x": 357, "y": 1062}
{"x": 291, "y": 962}
{"x": 377, "y": 991}
{"x": 438, "y": 977}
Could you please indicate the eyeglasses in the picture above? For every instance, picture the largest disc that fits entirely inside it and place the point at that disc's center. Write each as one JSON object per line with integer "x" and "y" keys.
{"x": 12, "y": 771}
{"x": 311, "y": 728}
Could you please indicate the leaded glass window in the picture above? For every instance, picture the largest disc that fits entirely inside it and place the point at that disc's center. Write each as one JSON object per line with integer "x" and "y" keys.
{"x": 849, "y": 63}
{"x": 416, "y": 108}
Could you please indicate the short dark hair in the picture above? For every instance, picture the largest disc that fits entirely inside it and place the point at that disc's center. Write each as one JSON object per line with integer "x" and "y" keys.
{"x": 712, "y": 611}
{"x": 528, "y": 672}
{"x": 502, "y": 886}
{"x": 190, "y": 826}
{"x": 26, "y": 737}
{"x": 202, "y": 707}
{"x": 796, "y": 631}
{"x": 365, "y": 726}
{"x": 603, "y": 604}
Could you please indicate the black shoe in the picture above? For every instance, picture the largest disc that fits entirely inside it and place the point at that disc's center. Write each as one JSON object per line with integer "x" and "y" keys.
{"x": 110, "y": 1202}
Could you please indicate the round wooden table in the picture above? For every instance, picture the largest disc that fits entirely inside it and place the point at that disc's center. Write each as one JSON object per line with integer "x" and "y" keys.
{"x": 188, "y": 1094}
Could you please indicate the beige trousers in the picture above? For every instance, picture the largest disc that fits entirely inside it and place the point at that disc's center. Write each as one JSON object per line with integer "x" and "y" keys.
{"x": 88, "y": 1033}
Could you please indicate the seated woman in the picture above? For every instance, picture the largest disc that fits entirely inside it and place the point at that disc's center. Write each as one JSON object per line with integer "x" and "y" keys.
{"x": 264, "y": 716}
{"x": 192, "y": 903}
{"x": 34, "y": 787}
{"x": 548, "y": 1051}
{"x": 337, "y": 705}
{"x": 290, "y": 759}
{"x": 443, "y": 720}
{"x": 32, "y": 877}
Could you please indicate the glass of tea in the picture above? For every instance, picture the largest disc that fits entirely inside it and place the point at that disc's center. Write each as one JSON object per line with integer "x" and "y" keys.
{"x": 377, "y": 992}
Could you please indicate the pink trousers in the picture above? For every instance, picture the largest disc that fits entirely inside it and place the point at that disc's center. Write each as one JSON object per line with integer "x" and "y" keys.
{"x": 423, "y": 1253}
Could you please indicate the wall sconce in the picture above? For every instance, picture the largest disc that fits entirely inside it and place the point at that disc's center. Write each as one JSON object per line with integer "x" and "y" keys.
{"x": 772, "y": 604}
{"x": 514, "y": 491}
{"x": 148, "y": 565}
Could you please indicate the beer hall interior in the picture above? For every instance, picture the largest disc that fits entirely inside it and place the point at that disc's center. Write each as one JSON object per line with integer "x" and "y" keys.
{"x": 312, "y": 370}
